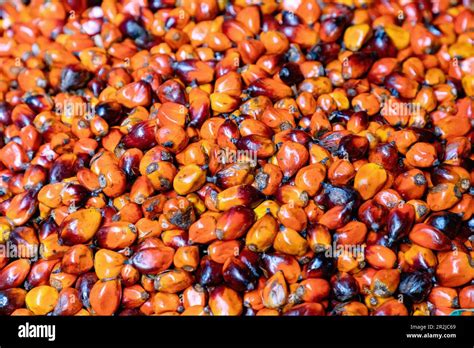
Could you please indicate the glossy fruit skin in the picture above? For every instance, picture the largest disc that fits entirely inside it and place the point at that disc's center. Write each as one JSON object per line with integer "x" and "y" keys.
{"x": 77, "y": 260}
{"x": 416, "y": 286}
{"x": 321, "y": 266}
{"x": 40, "y": 273}
{"x": 225, "y": 301}
{"x": 385, "y": 283}
{"x": 84, "y": 286}
{"x": 209, "y": 272}
{"x": 453, "y": 269}
{"x": 399, "y": 221}
{"x": 153, "y": 260}
{"x": 105, "y": 297}
{"x": 344, "y": 287}
{"x": 244, "y": 158}
{"x": 306, "y": 309}
{"x": 13, "y": 275}
{"x": 237, "y": 275}
{"x": 429, "y": 237}
{"x": 68, "y": 303}
{"x": 12, "y": 299}
{"x": 42, "y": 300}
{"x": 391, "y": 308}
{"x": 444, "y": 297}
{"x": 234, "y": 223}
{"x": 275, "y": 291}
{"x": 116, "y": 235}
{"x": 80, "y": 227}
{"x": 173, "y": 281}
{"x": 466, "y": 297}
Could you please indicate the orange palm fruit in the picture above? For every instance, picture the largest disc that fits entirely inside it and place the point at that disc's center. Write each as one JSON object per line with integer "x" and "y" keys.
{"x": 385, "y": 282}
{"x": 369, "y": 179}
{"x": 429, "y": 237}
{"x": 352, "y": 308}
{"x": 306, "y": 309}
{"x": 444, "y": 297}
{"x": 105, "y": 297}
{"x": 22, "y": 207}
{"x": 261, "y": 235}
{"x": 116, "y": 235}
{"x": 443, "y": 196}
{"x": 68, "y": 303}
{"x": 319, "y": 238}
{"x": 203, "y": 230}
{"x": 189, "y": 178}
{"x": 164, "y": 302}
{"x": 291, "y": 157}
{"x": 392, "y": 307}
{"x": 466, "y": 297}
{"x": 61, "y": 280}
{"x": 187, "y": 258}
{"x": 225, "y": 301}
{"x": 422, "y": 155}
{"x": 135, "y": 94}
{"x": 454, "y": 269}
{"x": 313, "y": 290}
{"x": 80, "y": 226}
{"x": 42, "y": 299}
{"x": 379, "y": 256}
{"x": 108, "y": 264}
{"x": 411, "y": 184}
{"x": 234, "y": 223}
{"x": 238, "y": 195}
{"x": 419, "y": 257}
{"x": 194, "y": 296}
{"x": 275, "y": 291}
{"x": 14, "y": 274}
{"x": 77, "y": 260}
{"x": 173, "y": 281}
{"x": 153, "y": 260}
{"x": 289, "y": 241}
{"x": 220, "y": 251}
{"x": 134, "y": 296}
{"x": 352, "y": 233}
{"x": 309, "y": 178}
